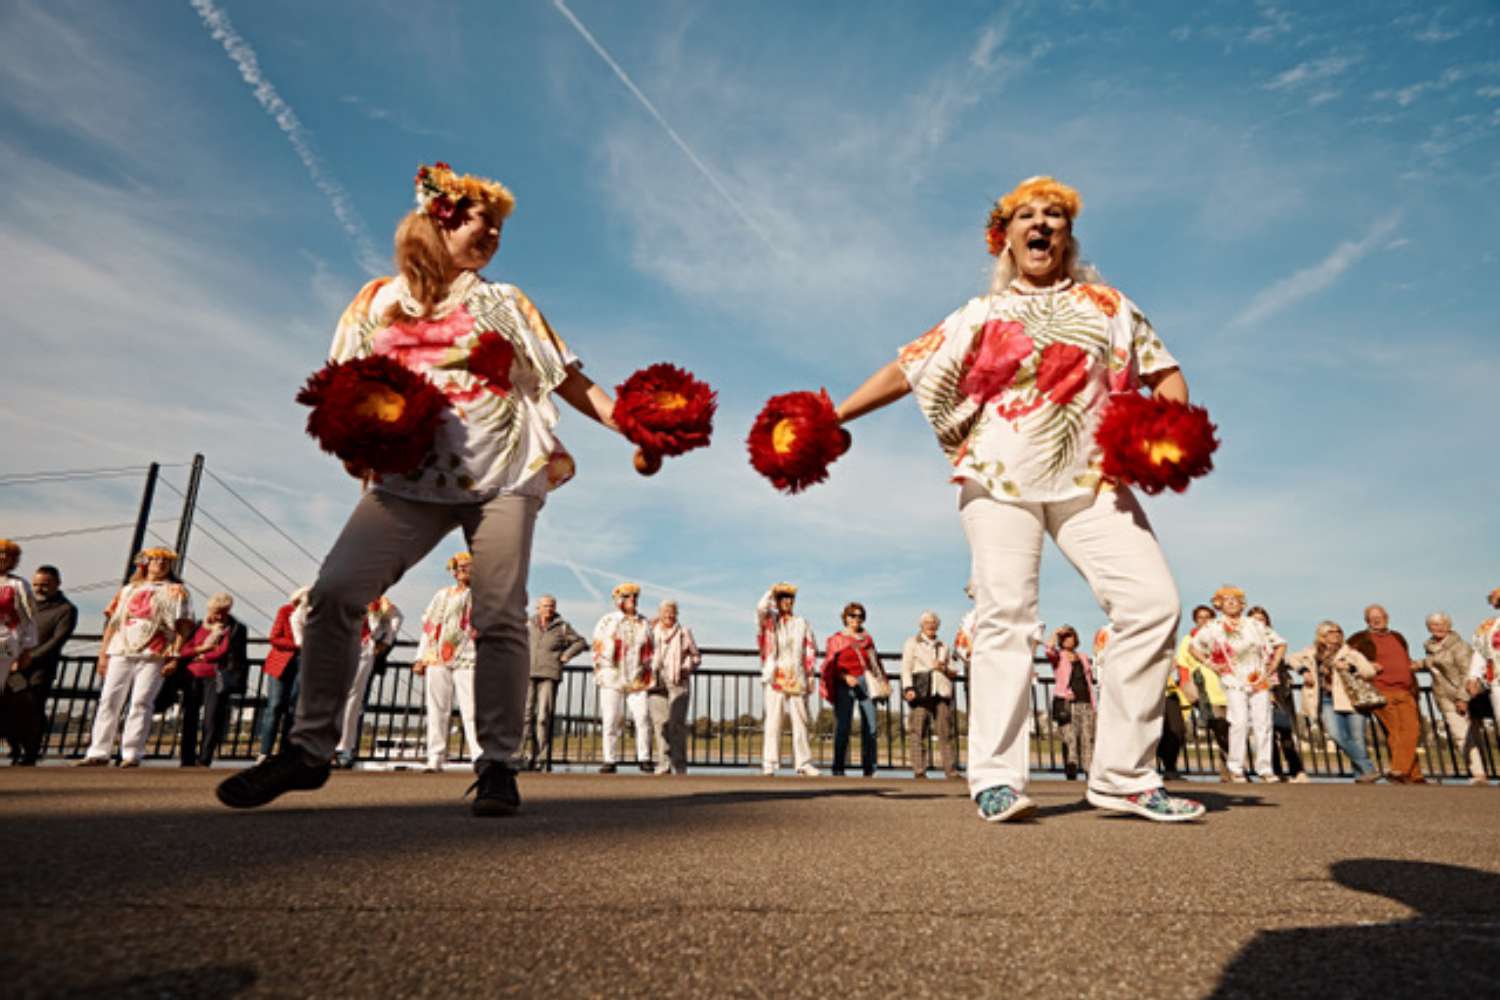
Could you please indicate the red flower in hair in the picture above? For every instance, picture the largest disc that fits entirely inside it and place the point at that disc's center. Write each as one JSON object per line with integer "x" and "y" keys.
{"x": 664, "y": 410}
{"x": 1063, "y": 370}
{"x": 490, "y": 361}
{"x": 795, "y": 438}
{"x": 373, "y": 412}
{"x": 1155, "y": 444}
{"x": 992, "y": 364}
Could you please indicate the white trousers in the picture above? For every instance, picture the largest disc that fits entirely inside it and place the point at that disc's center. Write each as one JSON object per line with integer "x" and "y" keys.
{"x": 1250, "y": 709}
{"x": 794, "y": 705}
{"x": 354, "y": 701}
{"x": 612, "y": 715}
{"x": 1109, "y": 541}
{"x": 639, "y": 703}
{"x": 443, "y": 684}
{"x": 1463, "y": 745}
{"x": 133, "y": 678}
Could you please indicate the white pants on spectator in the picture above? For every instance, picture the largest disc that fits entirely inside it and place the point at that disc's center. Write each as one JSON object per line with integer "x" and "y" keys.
{"x": 1249, "y": 709}
{"x": 1109, "y": 541}
{"x": 639, "y": 703}
{"x": 794, "y": 705}
{"x": 612, "y": 715}
{"x": 354, "y": 702}
{"x": 133, "y": 678}
{"x": 444, "y": 684}
{"x": 1464, "y": 744}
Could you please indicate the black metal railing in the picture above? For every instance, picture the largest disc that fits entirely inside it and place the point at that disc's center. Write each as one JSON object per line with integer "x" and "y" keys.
{"x": 726, "y": 718}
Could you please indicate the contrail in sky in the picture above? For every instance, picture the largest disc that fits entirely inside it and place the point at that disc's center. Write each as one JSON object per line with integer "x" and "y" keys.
{"x": 562, "y": 8}
{"x": 286, "y": 119}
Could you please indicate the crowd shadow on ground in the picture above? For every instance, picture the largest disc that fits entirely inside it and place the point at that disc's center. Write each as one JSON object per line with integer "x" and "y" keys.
{"x": 1448, "y": 947}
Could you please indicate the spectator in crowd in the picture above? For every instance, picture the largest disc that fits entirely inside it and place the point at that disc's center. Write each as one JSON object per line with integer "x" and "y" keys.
{"x": 1213, "y": 706}
{"x": 445, "y": 661}
{"x": 1235, "y": 647}
{"x": 148, "y": 621}
{"x": 963, "y": 639}
{"x": 18, "y": 636}
{"x": 1446, "y": 661}
{"x": 927, "y": 683}
{"x": 1073, "y": 699}
{"x": 553, "y": 644}
{"x": 281, "y": 668}
{"x": 1181, "y": 694}
{"x": 853, "y": 677}
{"x": 674, "y": 657}
{"x": 378, "y": 632}
{"x": 206, "y": 687}
{"x": 1396, "y": 680}
{"x": 1323, "y": 667}
{"x": 788, "y": 663}
{"x": 1283, "y": 713}
{"x": 56, "y": 620}
{"x": 1485, "y": 665}
{"x": 622, "y": 673}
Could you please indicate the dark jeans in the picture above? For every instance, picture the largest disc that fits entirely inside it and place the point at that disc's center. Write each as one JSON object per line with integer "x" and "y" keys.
{"x": 844, "y": 700}
{"x": 281, "y": 702}
{"x": 1284, "y": 745}
{"x": 1173, "y": 734}
{"x": 201, "y": 695}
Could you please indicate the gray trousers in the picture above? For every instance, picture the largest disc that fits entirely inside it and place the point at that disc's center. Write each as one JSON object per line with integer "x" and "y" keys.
{"x": 385, "y": 536}
{"x": 936, "y": 714}
{"x": 541, "y": 698}
{"x": 669, "y": 712}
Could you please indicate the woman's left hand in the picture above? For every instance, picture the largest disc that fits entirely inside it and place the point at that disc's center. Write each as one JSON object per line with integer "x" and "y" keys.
{"x": 169, "y": 668}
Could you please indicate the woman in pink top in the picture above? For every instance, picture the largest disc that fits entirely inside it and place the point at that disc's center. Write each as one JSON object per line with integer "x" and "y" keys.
{"x": 205, "y": 654}
{"x": 1072, "y": 700}
{"x": 852, "y": 676}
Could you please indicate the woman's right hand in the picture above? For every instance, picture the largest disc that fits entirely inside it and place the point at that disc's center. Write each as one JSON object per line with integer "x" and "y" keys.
{"x": 910, "y": 695}
{"x": 851, "y": 680}
{"x": 103, "y": 665}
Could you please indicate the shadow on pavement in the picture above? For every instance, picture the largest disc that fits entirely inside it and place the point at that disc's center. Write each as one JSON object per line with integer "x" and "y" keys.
{"x": 1448, "y": 948}
{"x": 170, "y": 984}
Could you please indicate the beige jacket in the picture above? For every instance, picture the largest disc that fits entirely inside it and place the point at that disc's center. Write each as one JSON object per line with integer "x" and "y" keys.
{"x": 1305, "y": 661}
{"x": 921, "y": 655}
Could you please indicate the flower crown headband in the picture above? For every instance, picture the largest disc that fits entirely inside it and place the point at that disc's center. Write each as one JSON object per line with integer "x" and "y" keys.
{"x": 443, "y": 195}
{"x": 459, "y": 559}
{"x": 1495, "y": 597}
{"x": 157, "y": 553}
{"x": 626, "y": 590}
{"x": 1032, "y": 187}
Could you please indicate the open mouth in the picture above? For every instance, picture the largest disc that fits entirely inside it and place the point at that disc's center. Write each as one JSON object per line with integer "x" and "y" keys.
{"x": 1039, "y": 243}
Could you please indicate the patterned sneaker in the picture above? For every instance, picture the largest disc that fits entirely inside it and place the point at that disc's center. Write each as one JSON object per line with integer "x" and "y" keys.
{"x": 1154, "y": 805}
{"x": 1001, "y": 804}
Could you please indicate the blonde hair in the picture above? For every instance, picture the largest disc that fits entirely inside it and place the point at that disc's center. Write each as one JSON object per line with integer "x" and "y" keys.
{"x": 423, "y": 260}
{"x": 220, "y": 600}
{"x": 1224, "y": 593}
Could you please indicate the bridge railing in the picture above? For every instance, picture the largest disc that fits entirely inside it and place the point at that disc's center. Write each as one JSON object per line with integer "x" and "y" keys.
{"x": 726, "y": 722}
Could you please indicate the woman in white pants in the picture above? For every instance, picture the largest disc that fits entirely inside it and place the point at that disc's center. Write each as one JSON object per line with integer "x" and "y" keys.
{"x": 378, "y": 632}
{"x": 622, "y": 673}
{"x": 17, "y": 621}
{"x": 1014, "y": 383}
{"x": 788, "y": 664}
{"x": 445, "y": 659}
{"x": 1236, "y": 648}
{"x": 1484, "y": 668}
{"x": 148, "y": 621}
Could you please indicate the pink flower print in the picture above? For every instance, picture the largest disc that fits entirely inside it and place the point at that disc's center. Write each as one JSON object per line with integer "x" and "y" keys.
{"x": 140, "y": 604}
{"x": 9, "y": 616}
{"x": 1062, "y": 371}
{"x": 992, "y": 365}
{"x": 422, "y": 343}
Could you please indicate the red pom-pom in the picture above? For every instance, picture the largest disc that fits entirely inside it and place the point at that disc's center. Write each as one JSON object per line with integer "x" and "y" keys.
{"x": 664, "y": 410}
{"x": 1155, "y": 444}
{"x": 373, "y": 413}
{"x": 795, "y": 438}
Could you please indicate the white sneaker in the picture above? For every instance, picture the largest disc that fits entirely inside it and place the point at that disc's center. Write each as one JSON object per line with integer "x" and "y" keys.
{"x": 1301, "y": 778}
{"x": 1239, "y": 779}
{"x": 260, "y": 758}
{"x": 1272, "y": 779}
{"x": 1479, "y": 781}
{"x": 808, "y": 771}
{"x": 769, "y": 772}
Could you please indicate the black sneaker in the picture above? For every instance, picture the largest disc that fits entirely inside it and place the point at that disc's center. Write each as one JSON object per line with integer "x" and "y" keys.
{"x": 607, "y": 769}
{"x": 495, "y": 791}
{"x": 287, "y": 771}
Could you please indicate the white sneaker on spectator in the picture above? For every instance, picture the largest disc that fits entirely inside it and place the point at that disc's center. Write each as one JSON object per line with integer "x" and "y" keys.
{"x": 1301, "y": 778}
{"x": 808, "y": 771}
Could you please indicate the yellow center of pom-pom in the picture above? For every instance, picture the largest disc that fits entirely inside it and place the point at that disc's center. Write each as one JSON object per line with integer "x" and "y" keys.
{"x": 1164, "y": 451}
{"x": 670, "y": 400}
{"x": 783, "y": 436}
{"x": 385, "y": 405}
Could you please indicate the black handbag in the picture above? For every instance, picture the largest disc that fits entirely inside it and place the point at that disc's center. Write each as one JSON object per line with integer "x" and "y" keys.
{"x": 921, "y": 685}
{"x": 1062, "y": 711}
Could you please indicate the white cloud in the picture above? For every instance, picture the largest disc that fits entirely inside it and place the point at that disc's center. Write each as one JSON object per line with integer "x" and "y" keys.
{"x": 1309, "y": 281}
{"x": 1275, "y": 22}
{"x": 1311, "y": 71}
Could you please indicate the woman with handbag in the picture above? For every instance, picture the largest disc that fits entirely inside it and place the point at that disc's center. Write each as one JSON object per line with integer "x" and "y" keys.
{"x": 927, "y": 676}
{"x": 852, "y": 675}
{"x": 1072, "y": 700}
{"x": 1336, "y": 684}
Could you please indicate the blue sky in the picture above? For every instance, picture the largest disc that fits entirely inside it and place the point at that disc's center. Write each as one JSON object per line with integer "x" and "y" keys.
{"x": 1301, "y": 196}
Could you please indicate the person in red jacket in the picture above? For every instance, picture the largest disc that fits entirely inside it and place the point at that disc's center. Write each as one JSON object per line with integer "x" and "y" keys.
{"x": 281, "y": 670}
{"x": 851, "y": 675}
{"x": 206, "y": 654}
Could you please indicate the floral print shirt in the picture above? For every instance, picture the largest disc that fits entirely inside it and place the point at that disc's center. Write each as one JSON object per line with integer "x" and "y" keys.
{"x": 17, "y": 618}
{"x": 493, "y": 355}
{"x": 622, "y": 652}
{"x": 1015, "y": 384}
{"x": 1486, "y": 650}
{"x": 788, "y": 649}
{"x": 447, "y": 635}
{"x": 1237, "y": 650}
{"x": 145, "y": 617}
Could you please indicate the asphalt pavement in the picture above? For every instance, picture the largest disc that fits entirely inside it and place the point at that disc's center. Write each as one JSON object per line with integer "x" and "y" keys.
{"x": 138, "y": 884}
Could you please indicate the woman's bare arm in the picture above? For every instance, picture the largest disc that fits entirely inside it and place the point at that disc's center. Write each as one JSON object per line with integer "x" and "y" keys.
{"x": 1168, "y": 385}
{"x": 580, "y": 392}
{"x": 881, "y": 389}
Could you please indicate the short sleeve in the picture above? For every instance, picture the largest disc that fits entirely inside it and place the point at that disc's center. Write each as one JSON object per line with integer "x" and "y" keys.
{"x": 934, "y": 366}
{"x": 543, "y": 331}
{"x": 181, "y": 604}
{"x": 1148, "y": 355}
{"x": 349, "y": 337}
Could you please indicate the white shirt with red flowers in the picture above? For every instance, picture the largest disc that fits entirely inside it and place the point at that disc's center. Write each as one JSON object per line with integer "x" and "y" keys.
{"x": 447, "y": 635}
{"x": 622, "y": 652}
{"x": 490, "y": 351}
{"x": 1482, "y": 666}
{"x": 1237, "y": 650}
{"x": 145, "y": 617}
{"x": 1015, "y": 384}
{"x": 17, "y": 619}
